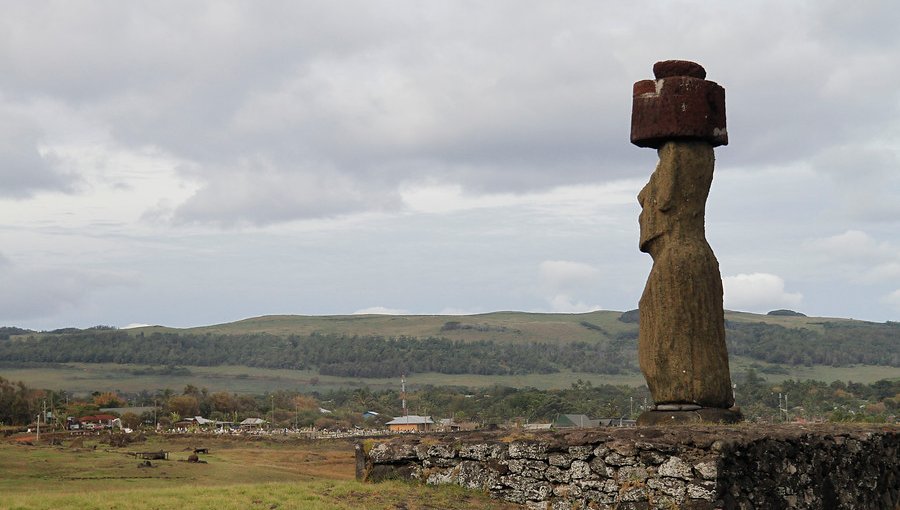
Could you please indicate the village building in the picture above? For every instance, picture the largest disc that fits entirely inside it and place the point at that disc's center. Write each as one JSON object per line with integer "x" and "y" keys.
{"x": 537, "y": 426}
{"x": 574, "y": 421}
{"x": 581, "y": 421}
{"x": 253, "y": 423}
{"x": 411, "y": 423}
{"x": 617, "y": 422}
{"x": 97, "y": 421}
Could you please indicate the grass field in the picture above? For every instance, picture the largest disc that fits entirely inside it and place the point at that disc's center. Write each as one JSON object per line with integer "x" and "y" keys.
{"x": 238, "y": 474}
{"x": 87, "y": 377}
{"x": 499, "y": 326}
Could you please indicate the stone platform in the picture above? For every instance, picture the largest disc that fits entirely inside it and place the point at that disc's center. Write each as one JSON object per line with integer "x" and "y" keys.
{"x": 746, "y": 466}
{"x": 684, "y": 416}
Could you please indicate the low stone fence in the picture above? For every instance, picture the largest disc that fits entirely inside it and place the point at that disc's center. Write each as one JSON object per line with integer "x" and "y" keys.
{"x": 691, "y": 467}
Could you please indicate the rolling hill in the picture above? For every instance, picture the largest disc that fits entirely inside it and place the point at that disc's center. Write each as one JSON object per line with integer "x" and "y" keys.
{"x": 470, "y": 349}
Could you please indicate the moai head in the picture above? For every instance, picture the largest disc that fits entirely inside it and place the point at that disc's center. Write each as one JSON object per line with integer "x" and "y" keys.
{"x": 678, "y": 105}
{"x": 673, "y": 202}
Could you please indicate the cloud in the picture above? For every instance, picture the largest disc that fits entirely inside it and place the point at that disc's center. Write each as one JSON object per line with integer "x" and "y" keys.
{"x": 859, "y": 256}
{"x": 562, "y": 280}
{"x": 381, "y": 310}
{"x": 852, "y": 245}
{"x": 893, "y": 299}
{"x": 135, "y": 325}
{"x": 343, "y": 111}
{"x": 30, "y": 293}
{"x": 758, "y": 292}
{"x": 562, "y": 303}
{"x": 24, "y": 168}
{"x": 865, "y": 177}
{"x": 255, "y": 192}
{"x": 496, "y": 100}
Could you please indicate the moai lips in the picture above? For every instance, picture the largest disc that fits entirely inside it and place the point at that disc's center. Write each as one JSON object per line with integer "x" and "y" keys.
{"x": 678, "y": 104}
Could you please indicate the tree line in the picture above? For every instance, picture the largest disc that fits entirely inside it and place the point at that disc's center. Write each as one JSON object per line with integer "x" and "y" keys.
{"x": 834, "y": 344}
{"x": 840, "y": 343}
{"x": 347, "y": 356}
{"x": 760, "y": 401}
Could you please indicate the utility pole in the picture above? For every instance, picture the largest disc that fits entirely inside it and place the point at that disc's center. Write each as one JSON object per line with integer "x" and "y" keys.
{"x": 783, "y": 411}
{"x": 403, "y": 394}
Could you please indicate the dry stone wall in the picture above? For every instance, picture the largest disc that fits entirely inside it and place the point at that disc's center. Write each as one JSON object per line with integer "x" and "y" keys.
{"x": 696, "y": 467}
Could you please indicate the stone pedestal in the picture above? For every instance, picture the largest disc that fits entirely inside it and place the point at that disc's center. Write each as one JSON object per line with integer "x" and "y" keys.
{"x": 702, "y": 415}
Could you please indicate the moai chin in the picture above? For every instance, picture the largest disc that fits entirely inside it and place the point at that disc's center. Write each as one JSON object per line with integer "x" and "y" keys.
{"x": 681, "y": 338}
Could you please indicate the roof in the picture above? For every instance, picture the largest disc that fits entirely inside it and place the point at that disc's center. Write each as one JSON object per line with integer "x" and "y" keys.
{"x": 253, "y": 421}
{"x": 616, "y": 422}
{"x": 122, "y": 410}
{"x": 97, "y": 417}
{"x": 411, "y": 420}
{"x": 575, "y": 420}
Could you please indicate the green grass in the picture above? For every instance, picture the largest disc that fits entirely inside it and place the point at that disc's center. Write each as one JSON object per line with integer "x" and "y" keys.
{"x": 239, "y": 474}
{"x": 87, "y": 377}
{"x": 325, "y": 495}
{"x": 502, "y": 326}
{"x": 498, "y": 326}
{"x": 811, "y": 323}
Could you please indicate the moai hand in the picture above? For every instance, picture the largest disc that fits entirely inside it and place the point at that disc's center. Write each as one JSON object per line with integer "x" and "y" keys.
{"x": 681, "y": 340}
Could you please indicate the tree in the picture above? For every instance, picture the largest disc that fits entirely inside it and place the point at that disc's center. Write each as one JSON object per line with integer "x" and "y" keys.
{"x": 223, "y": 402}
{"x": 108, "y": 399}
{"x": 130, "y": 420}
{"x": 305, "y": 403}
{"x": 184, "y": 405}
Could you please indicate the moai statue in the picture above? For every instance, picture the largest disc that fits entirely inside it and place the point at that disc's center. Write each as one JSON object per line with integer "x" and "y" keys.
{"x": 681, "y": 339}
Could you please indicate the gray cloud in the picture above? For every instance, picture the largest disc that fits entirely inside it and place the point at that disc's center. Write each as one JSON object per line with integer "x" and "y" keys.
{"x": 239, "y": 118}
{"x": 256, "y": 193}
{"x": 399, "y": 93}
{"x": 23, "y": 169}
{"x": 33, "y": 293}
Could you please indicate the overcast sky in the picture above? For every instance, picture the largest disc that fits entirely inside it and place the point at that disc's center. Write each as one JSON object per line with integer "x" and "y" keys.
{"x": 190, "y": 163}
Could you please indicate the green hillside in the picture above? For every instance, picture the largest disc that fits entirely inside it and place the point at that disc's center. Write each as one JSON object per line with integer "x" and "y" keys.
{"x": 514, "y": 347}
{"x": 497, "y": 326}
